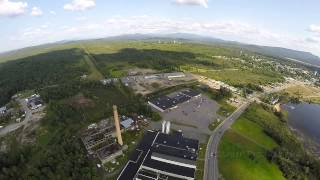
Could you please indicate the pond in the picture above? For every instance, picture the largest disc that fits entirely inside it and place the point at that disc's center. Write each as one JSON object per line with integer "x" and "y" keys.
{"x": 305, "y": 118}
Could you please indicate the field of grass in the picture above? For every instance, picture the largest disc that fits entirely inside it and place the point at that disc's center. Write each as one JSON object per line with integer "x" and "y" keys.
{"x": 300, "y": 90}
{"x": 243, "y": 149}
{"x": 225, "y": 108}
{"x": 305, "y": 93}
{"x": 200, "y": 162}
{"x": 241, "y": 77}
{"x": 214, "y": 125}
{"x": 240, "y": 158}
{"x": 94, "y": 72}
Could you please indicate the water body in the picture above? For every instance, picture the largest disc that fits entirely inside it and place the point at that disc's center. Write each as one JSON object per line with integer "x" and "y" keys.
{"x": 305, "y": 118}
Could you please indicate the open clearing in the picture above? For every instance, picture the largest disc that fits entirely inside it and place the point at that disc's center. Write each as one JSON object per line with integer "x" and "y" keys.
{"x": 243, "y": 148}
{"x": 307, "y": 93}
{"x": 239, "y": 77}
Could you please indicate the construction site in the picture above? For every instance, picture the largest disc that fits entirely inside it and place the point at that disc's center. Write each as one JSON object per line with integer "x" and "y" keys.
{"x": 146, "y": 84}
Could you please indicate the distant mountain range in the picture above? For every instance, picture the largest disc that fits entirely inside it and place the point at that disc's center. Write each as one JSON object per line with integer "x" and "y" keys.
{"x": 306, "y": 58}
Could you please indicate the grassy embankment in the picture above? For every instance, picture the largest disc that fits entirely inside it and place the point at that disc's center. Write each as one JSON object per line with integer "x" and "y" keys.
{"x": 200, "y": 162}
{"x": 304, "y": 93}
{"x": 260, "y": 144}
{"x": 243, "y": 148}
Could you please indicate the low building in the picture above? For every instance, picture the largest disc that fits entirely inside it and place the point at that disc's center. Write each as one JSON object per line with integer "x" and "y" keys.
{"x": 164, "y": 103}
{"x": 171, "y": 76}
{"x": 34, "y": 102}
{"x": 3, "y": 110}
{"x": 126, "y": 122}
{"x": 162, "y": 156}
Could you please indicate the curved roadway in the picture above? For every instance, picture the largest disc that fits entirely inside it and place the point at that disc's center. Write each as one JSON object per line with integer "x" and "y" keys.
{"x": 211, "y": 171}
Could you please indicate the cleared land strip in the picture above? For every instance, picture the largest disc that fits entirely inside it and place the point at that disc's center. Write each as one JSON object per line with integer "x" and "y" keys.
{"x": 95, "y": 73}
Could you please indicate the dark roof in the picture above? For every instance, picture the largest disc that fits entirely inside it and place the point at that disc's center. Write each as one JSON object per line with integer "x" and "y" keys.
{"x": 180, "y": 159}
{"x": 190, "y": 92}
{"x": 164, "y": 102}
{"x": 177, "y": 140}
{"x": 186, "y": 154}
{"x": 137, "y": 157}
{"x": 170, "y": 168}
{"x": 175, "y": 146}
{"x": 181, "y": 98}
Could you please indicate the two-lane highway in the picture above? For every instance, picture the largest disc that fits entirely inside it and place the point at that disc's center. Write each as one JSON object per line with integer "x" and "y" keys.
{"x": 211, "y": 171}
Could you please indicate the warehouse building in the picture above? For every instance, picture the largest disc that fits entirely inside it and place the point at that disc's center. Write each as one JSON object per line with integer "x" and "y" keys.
{"x": 162, "y": 156}
{"x": 165, "y": 103}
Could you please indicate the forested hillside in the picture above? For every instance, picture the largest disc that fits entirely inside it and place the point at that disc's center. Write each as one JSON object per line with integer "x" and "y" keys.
{"x": 39, "y": 71}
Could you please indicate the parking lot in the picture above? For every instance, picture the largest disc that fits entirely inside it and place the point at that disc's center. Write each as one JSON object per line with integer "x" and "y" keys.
{"x": 193, "y": 116}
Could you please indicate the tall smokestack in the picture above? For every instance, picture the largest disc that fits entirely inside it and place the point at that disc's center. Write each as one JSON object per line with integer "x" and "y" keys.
{"x": 168, "y": 127}
{"x": 117, "y": 124}
{"x": 163, "y": 127}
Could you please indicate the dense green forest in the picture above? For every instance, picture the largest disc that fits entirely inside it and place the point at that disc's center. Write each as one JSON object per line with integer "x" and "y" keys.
{"x": 58, "y": 153}
{"x": 39, "y": 71}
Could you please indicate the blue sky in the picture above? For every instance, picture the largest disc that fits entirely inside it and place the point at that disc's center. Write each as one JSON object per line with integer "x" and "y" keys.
{"x": 286, "y": 23}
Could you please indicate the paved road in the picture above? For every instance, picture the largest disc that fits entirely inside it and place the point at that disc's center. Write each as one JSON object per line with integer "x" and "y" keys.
{"x": 211, "y": 171}
{"x": 12, "y": 127}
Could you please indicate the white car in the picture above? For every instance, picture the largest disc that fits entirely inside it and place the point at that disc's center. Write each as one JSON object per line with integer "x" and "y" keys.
{"x": 1, "y": 127}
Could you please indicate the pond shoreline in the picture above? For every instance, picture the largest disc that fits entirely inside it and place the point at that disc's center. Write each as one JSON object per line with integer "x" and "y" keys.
{"x": 310, "y": 144}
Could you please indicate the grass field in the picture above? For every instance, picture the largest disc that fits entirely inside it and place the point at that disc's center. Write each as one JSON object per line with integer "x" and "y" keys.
{"x": 243, "y": 148}
{"x": 94, "y": 73}
{"x": 300, "y": 90}
{"x": 200, "y": 162}
{"x": 241, "y": 77}
{"x": 303, "y": 92}
{"x": 225, "y": 109}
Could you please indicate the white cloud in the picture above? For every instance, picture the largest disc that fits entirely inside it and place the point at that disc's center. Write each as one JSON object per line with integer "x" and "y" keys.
{"x": 11, "y": 9}
{"x": 79, "y": 5}
{"x": 117, "y": 25}
{"x": 315, "y": 29}
{"x": 82, "y": 18}
{"x": 203, "y": 3}
{"x": 36, "y": 11}
{"x": 52, "y": 12}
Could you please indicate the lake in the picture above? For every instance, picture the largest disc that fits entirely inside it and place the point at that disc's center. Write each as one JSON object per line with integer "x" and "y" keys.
{"x": 305, "y": 118}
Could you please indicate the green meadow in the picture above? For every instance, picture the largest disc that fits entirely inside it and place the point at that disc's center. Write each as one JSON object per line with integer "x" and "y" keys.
{"x": 243, "y": 151}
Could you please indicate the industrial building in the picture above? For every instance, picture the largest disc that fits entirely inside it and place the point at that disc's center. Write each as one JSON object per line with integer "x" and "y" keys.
{"x": 34, "y": 102}
{"x": 126, "y": 123}
{"x": 162, "y": 156}
{"x": 164, "y": 103}
{"x": 104, "y": 139}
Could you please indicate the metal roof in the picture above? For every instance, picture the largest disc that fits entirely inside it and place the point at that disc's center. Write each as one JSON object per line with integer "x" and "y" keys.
{"x": 127, "y": 123}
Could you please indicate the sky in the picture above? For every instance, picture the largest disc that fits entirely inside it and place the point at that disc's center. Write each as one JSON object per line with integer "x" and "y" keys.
{"x": 293, "y": 24}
